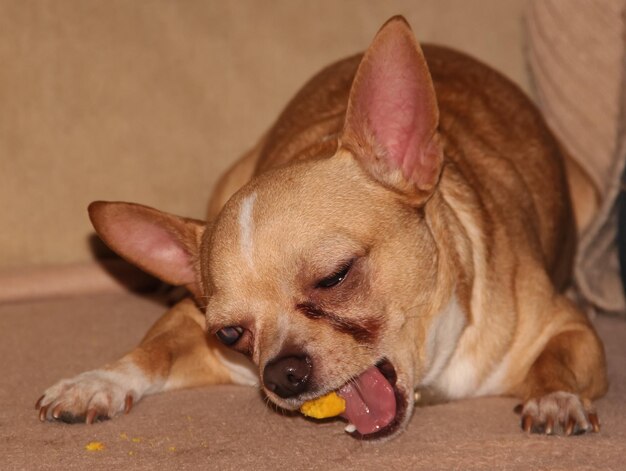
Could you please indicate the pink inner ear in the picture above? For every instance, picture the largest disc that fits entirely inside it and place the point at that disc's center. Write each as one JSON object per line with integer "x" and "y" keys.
{"x": 391, "y": 101}
{"x": 159, "y": 250}
{"x": 159, "y": 243}
{"x": 394, "y": 98}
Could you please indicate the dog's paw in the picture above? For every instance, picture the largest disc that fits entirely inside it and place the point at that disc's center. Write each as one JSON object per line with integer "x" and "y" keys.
{"x": 89, "y": 397}
{"x": 559, "y": 412}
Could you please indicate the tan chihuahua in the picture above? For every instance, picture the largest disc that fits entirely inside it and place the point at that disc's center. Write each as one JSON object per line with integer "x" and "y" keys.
{"x": 406, "y": 224}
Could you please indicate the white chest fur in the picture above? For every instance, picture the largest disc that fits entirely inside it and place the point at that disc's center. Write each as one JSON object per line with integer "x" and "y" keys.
{"x": 453, "y": 359}
{"x": 442, "y": 341}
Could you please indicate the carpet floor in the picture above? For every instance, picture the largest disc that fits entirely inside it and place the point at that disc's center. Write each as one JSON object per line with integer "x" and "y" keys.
{"x": 230, "y": 427}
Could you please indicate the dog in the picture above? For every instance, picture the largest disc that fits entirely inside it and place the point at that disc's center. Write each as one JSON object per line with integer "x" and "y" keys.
{"x": 405, "y": 225}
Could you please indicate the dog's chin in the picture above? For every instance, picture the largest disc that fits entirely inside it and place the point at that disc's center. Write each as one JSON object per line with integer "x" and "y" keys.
{"x": 377, "y": 414}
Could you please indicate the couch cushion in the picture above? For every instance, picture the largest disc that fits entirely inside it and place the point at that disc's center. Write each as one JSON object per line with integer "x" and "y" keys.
{"x": 151, "y": 102}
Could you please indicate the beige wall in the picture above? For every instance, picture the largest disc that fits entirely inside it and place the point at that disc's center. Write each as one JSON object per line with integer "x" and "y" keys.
{"x": 150, "y": 101}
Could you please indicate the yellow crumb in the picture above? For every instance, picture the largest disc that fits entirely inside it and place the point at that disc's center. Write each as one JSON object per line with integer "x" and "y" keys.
{"x": 172, "y": 448}
{"x": 94, "y": 446}
{"x": 130, "y": 453}
{"x": 329, "y": 405}
{"x": 123, "y": 436}
{"x": 136, "y": 440}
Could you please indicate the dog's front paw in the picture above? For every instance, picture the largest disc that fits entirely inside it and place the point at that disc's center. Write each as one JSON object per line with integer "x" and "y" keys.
{"x": 559, "y": 412}
{"x": 91, "y": 396}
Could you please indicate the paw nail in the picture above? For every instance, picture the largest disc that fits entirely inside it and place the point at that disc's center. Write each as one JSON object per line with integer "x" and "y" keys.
{"x": 56, "y": 412}
{"x": 38, "y": 403}
{"x": 128, "y": 403}
{"x": 527, "y": 423}
{"x": 595, "y": 423}
{"x": 91, "y": 415}
{"x": 43, "y": 412}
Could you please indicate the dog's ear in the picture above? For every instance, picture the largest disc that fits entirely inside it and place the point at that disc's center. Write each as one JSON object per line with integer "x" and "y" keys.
{"x": 392, "y": 117}
{"x": 161, "y": 244}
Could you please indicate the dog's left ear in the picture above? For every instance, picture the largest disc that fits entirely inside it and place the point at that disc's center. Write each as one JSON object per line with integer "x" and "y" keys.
{"x": 392, "y": 117}
{"x": 159, "y": 243}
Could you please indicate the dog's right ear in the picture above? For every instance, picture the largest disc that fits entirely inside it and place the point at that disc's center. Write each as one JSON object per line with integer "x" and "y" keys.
{"x": 392, "y": 116}
{"x": 159, "y": 243}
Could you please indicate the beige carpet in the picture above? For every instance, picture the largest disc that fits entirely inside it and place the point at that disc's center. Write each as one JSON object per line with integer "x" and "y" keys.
{"x": 230, "y": 427}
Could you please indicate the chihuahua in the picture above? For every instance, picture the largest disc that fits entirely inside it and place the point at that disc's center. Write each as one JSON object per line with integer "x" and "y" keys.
{"x": 405, "y": 225}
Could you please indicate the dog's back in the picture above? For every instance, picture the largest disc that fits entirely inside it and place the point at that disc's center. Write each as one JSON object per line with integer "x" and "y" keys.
{"x": 497, "y": 139}
{"x": 512, "y": 152}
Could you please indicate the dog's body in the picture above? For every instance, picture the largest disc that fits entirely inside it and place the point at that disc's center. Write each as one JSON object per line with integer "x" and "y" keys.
{"x": 384, "y": 236}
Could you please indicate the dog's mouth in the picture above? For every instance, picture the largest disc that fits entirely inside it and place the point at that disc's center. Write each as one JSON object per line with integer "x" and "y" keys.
{"x": 375, "y": 407}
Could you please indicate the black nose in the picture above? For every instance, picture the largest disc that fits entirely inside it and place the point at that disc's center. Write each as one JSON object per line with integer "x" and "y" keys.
{"x": 287, "y": 376}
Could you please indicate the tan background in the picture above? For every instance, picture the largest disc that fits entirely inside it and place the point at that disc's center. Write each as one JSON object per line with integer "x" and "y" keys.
{"x": 150, "y": 101}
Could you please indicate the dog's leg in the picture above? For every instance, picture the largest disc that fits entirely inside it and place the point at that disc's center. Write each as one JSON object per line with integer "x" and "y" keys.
{"x": 175, "y": 353}
{"x": 560, "y": 385}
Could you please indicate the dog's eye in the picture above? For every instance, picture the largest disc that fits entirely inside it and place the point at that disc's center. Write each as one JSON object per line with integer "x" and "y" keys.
{"x": 335, "y": 278}
{"x": 229, "y": 335}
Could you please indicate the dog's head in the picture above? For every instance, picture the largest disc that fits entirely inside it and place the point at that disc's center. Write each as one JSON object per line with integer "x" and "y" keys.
{"x": 325, "y": 273}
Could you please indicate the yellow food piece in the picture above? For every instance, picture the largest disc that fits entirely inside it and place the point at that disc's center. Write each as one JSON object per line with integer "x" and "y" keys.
{"x": 94, "y": 446}
{"x": 329, "y": 405}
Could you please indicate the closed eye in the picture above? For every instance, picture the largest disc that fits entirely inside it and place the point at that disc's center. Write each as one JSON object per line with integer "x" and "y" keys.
{"x": 336, "y": 278}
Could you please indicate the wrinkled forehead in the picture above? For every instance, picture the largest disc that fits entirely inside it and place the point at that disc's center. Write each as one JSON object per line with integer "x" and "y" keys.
{"x": 307, "y": 212}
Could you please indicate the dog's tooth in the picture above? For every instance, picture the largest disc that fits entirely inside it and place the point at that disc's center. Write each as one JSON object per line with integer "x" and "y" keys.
{"x": 350, "y": 428}
{"x": 417, "y": 396}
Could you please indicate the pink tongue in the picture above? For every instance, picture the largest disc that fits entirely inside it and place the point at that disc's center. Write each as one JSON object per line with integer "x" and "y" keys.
{"x": 370, "y": 401}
